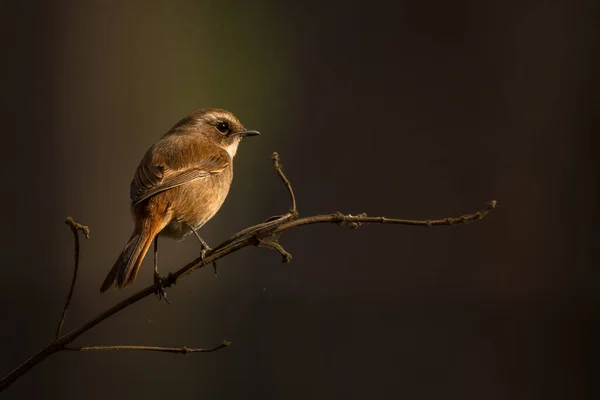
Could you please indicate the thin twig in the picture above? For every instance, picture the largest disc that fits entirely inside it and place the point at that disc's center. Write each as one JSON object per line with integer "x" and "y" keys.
{"x": 245, "y": 238}
{"x": 75, "y": 228}
{"x": 272, "y": 221}
{"x": 286, "y": 182}
{"x": 272, "y": 244}
{"x": 178, "y": 350}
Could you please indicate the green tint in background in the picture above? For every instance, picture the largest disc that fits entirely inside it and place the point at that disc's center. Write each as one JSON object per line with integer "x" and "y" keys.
{"x": 412, "y": 109}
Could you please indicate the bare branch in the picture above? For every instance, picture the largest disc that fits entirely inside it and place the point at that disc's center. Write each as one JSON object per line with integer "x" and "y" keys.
{"x": 75, "y": 228}
{"x": 178, "y": 350}
{"x": 264, "y": 234}
{"x": 350, "y": 219}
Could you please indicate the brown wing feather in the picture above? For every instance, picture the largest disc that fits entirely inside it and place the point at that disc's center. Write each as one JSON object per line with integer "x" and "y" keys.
{"x": 174, "y": 163}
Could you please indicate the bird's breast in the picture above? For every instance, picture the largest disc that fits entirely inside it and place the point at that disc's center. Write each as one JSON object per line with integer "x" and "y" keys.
{"x": 193, "y": 204}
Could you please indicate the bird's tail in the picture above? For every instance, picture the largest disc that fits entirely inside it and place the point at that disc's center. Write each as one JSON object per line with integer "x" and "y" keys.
{"x": 127, "y": 266}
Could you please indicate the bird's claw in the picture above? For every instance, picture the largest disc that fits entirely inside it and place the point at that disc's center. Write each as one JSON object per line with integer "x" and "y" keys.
{"x": 203, "y": 252}
{"x": 160, "y": 290}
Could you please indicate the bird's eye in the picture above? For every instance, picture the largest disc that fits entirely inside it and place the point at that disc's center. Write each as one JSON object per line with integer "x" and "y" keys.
{"x": 223, "y": 127}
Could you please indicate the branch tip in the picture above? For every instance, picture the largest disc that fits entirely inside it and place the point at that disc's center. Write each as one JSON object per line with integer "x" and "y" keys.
{"x": 279, "y": 169}
{"x": 272, "y": 244}
{"x": 76, "y": 226}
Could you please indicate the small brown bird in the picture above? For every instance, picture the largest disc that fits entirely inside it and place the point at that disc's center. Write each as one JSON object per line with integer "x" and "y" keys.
{"x": 179, "y": 185}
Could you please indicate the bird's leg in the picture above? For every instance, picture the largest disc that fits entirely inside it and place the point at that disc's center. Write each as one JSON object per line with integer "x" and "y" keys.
{"x": 160, "y": 290}
{"x": 205, "y": 248}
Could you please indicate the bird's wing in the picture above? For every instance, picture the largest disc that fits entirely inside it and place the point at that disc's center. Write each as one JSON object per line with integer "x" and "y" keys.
{"x": 160, "y": 171}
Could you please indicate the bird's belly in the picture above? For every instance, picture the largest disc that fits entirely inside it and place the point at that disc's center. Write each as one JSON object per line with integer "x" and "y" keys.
{"x": 193, "y": 205}
{"x": 177, "y": 230}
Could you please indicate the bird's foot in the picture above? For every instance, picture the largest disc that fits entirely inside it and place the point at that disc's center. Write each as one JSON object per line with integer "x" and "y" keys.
{"x": 160, "y": 290}
{"x": 205, "y": 249}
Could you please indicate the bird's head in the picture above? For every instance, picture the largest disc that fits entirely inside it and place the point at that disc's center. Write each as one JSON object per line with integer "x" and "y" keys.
{"x": 220, "y": 126}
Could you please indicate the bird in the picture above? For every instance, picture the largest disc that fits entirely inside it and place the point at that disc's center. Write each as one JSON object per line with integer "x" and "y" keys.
{"x": 179, "y": 185}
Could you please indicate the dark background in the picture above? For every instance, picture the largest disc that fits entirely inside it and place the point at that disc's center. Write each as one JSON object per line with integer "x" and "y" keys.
{"x": 414, "y": 109}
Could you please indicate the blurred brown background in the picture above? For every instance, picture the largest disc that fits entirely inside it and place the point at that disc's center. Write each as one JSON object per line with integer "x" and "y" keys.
{"x": 413, "y": 109}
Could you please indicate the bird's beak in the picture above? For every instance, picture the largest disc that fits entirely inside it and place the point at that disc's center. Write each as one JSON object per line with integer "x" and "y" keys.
{"x": 246, "y": 132}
